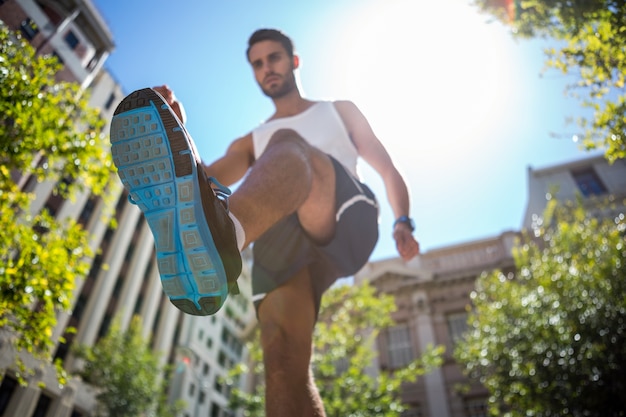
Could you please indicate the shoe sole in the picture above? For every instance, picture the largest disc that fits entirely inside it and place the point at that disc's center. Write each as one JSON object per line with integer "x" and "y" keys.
{"x": 156, "y": 163}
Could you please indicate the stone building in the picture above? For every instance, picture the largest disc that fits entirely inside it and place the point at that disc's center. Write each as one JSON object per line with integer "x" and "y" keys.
{"x": 433, "y": 291}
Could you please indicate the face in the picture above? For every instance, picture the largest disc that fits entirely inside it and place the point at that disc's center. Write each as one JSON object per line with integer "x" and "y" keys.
{"x": 273, "y": 68}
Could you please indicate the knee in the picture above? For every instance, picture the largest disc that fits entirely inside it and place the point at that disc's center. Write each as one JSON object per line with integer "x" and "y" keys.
{"x": 286, "y": 134}
{"x": 276, "y": 335}
{"x": 289, "y": 140}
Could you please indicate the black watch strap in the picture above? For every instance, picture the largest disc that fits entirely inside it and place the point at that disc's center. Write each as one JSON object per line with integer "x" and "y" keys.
{"x": 406, "y": 220}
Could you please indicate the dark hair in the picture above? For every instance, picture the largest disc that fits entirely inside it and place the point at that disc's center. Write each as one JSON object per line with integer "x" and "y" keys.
{"x": 270, "y": 35}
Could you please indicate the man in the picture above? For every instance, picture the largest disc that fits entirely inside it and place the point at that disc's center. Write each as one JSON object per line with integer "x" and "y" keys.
{"x": 300, "y": 202}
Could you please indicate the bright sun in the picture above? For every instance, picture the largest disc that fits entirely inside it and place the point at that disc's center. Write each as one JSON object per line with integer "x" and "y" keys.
{"x": 423, "y": 70}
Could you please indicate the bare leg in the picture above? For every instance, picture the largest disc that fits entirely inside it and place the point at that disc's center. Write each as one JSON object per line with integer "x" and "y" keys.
{"x": 290, "y": 176}
{"x": 287, "y": 318}
{"x": 314, "y": 406}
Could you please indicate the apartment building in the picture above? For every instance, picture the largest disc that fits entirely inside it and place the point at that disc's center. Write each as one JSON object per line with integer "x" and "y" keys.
{"x": 208, "y": 347}
{"x": 123, "y": 280}
{"x": 433, "y": 290}
{"x": 589, "y": 178}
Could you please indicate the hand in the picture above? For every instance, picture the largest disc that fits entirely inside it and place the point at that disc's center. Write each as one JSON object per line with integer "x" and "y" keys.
{"x": 166, "y": 92}
{"x": 406, "y": 244}
{"x": 173, "y": 102}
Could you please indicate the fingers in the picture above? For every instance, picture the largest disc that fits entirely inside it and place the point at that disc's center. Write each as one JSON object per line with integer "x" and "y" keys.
{"x": 166, "y": 92}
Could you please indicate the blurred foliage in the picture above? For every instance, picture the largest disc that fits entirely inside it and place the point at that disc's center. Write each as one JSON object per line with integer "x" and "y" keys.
{"x": 46, "y": 126}
{"x": 350, "y": 319}
{"x": 550, "y": 340}
{"x": 46, "y": 130}
{"x": 126, "y": 374}
{"x": 590, "y": 43}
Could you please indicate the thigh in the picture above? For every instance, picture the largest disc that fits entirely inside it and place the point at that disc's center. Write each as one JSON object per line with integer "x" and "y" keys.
{"x": 317, "y": 213}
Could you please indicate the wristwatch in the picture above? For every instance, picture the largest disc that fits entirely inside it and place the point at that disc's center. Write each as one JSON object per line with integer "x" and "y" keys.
{"x": 406, "y": 220}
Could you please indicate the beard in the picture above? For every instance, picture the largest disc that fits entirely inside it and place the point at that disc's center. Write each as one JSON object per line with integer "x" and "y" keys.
{"x": 287, "y": 85}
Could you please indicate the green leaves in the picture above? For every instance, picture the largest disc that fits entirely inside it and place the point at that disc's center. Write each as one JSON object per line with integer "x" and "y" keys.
{"x": 42, "y": 117}
{"x": 551, "y": 338}
{"x": 39, "y": 259}
{"x": 350, "y": 320}
{"x": 47, "y": 130}
{"x": 126, "y": 372}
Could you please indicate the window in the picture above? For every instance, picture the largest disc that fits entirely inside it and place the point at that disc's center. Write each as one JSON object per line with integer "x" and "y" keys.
{"x": 218, "y": 385}
{"x": 71, "y": 40}
{"x": 588, "y": 182}
{"x": 76, "y": 413}
{"x": 87, "y": 211}
{"x": 400, "y": 349}
{"x": 58, "y": 57}
{"x": 42, "y": 406}
{"x": 476, "y": 407}
{"x": 7, "y": 388}
{"x": 62, "y": 351}
{"x": 457, "y": 325}
{"x": 29, "y": 28}
{"x": 109, "y": 101}
{"x": 413, "y": 411}
{"x": 104, "y": 326}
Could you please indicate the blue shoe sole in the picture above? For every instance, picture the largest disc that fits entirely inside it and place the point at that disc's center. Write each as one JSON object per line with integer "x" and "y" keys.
{"x": 156, "y": 164}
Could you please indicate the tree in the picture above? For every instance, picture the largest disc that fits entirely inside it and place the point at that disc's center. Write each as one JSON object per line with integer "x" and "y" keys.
{"x": 550, "y": 339}
{"x": 591, "y": 39}
{"x": 47, "y": 131}
{"x": 350, "y": 319}
{"x": 126, "y": 373}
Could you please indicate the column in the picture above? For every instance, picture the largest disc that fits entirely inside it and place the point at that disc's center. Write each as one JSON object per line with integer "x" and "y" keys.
{"x": 434, "y": 382}
{"x": 134, "y": 276}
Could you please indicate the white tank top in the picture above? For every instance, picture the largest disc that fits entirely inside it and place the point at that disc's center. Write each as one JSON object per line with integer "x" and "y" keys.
{"x": 321, "y": 126}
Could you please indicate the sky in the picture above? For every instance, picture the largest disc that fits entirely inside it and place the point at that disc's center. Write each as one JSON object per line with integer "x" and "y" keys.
{"x": 463, "y": 108}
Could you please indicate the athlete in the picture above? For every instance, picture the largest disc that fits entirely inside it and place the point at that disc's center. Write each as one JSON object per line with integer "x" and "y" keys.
{"x": 301, "y": 203}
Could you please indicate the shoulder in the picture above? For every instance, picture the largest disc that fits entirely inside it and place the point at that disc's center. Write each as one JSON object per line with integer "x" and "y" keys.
{"x": 350, "y": 114}
{"x": 344, "y": 105}
{"x": 347, "y": 110}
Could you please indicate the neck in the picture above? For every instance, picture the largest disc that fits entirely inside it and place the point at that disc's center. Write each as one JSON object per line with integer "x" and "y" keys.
{"x": 290, "y": 104}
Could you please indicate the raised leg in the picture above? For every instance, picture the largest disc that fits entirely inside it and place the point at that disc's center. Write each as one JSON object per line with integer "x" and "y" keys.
{"x": 290, "y": 176}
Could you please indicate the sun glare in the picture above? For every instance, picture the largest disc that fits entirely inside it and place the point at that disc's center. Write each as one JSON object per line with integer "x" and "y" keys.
{"x": 426, "y": 74}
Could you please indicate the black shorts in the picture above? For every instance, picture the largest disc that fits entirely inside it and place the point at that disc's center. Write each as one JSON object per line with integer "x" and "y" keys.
{"x": 286, "y": 248}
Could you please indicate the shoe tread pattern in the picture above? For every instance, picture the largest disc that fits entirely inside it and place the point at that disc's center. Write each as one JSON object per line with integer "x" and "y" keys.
{"x": 157, "y": 166}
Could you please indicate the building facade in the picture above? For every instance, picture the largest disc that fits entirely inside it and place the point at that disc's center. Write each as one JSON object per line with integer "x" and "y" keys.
{"x": 432, "y": 292}
{"x": 208, "y": 347}
{"x": 123, "y": 280}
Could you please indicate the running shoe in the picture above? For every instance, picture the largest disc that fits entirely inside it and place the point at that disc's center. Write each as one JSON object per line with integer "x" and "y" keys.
{"x": 187, "y": 212}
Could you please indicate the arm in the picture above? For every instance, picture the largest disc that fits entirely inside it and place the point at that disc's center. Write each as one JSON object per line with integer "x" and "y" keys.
{"x": 232, "y": 167}
{"x": 375, "y": 154}
{"x": 239, "y": 156}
